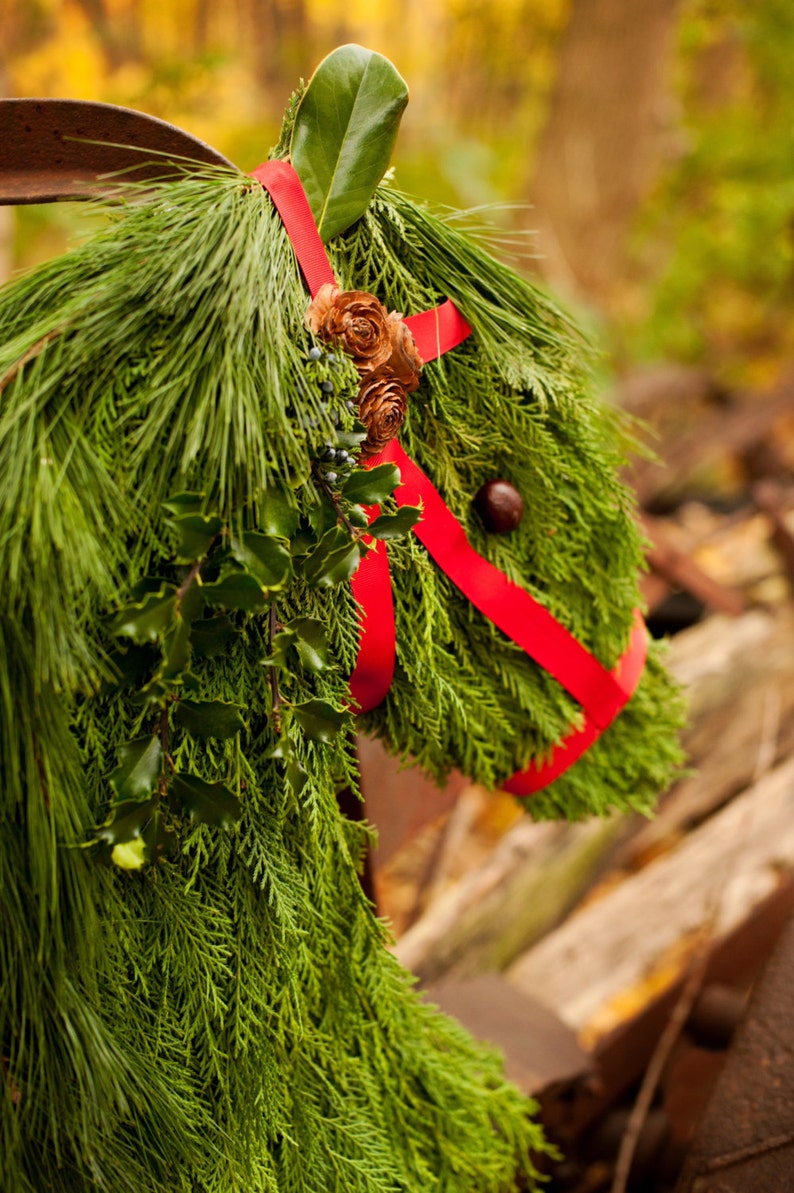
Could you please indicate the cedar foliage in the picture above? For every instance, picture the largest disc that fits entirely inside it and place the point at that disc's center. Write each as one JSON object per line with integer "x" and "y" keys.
{"x": 226, "y": 1015}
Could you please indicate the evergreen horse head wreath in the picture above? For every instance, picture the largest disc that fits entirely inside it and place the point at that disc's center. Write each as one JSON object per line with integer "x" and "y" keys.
{"x": 279, "y": 449}
{"x": 337, "y": 155}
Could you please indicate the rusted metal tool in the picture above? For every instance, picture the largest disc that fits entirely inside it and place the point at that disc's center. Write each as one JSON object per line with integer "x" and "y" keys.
{"x": 53, "y": 149}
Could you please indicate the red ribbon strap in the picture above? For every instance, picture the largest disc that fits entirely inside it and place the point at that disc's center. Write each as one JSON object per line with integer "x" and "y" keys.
{"x": 286, "y": 191}
{"x": 371, "y": 584}
{"x": 509, "y": 607}
{"x": 627, "y": 674}
{"x": 436, "y": 331}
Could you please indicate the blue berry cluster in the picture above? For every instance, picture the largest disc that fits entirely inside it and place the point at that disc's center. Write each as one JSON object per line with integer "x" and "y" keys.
{"x": 338, "y": 453}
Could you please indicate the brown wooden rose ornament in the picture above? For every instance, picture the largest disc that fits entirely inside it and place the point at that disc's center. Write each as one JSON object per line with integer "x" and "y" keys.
{"x": 382, "y": 349}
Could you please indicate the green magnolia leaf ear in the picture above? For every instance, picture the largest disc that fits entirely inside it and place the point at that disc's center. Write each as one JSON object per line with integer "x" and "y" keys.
{"x": 344, "y": 133}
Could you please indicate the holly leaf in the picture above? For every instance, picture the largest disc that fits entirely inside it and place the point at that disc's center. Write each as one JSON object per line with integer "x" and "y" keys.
{"x": 184, "y": 503}
{"x": 196, "y": 535}
{"x": 352, "y": 440}
{"x": 132, "y": 665}
{"x": 323, "y": 516}
{"x": 344, "y": 133}
{"x": 370, "y": 486}
{"x": 319, "y": 720}
{"x": 158, "y": 837}
{"x": 139, "y": 770}
{"x": 209, "y": 718}
{"x": 145, "y": 620}
{"x": 207, "y": 803}
{"x": 191, "y": 604}
{"x": 358, "y": 516}
{"x": 303, "y": 543}
{"x": 297, "y": 776}
{"x": 126, "y": 821}
{"x": 311, "y": 643}
{"x": 282, "y": 641}
{"x": 176, "y": 651}
{"x": 395, "y": 526}
{"x": 237, "y": 590}
{"x": 211, "y": 636}
{"x": 336, "y": 558}
{"x": 265, "y": 558}
{"x": 279, "y": 515}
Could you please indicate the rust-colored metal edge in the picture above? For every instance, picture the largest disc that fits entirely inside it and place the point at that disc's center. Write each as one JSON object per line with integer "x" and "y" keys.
{"x": 53, "y": 149}
{"x": 746, "y": 1140}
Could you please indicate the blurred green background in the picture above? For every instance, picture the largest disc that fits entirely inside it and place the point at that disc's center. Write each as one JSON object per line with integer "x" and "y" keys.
{"x": 647, "y": 145}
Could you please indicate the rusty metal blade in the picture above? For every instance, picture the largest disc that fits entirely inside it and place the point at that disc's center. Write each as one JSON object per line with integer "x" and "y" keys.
{"x": 54, "y": 149}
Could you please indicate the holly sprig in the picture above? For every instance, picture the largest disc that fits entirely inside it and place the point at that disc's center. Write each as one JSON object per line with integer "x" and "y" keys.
{"x": 217, "y": 579}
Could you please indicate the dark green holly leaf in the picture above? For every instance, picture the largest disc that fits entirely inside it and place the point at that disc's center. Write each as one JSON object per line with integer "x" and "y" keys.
{"x": 323, "y": 516}
{"x": 145, "y": 585}
{"x": 319, "y": 720}
{"x": 370, "y": 486}
{"x": 176, "y": 650}
{"x": 126, "y": 821}
{"x": 196, "y": 535}
{"x": 237, "y": 590}
{"x": 395, "y": 526}
{"x": 296, "y": 776}
{"x": 132, "y": 665}
{"x": 208, "y": 718}
{"x": 138, "y": 772}
{"x": 280, "y": 515}
{"x": 159, "y": 839}
{"x": 351, "y": 440}
{"x": 336, "y": 558}
{"x": 184, "y": 503}
{"x": 310, "y": 642}
{"x": 191, "y": 604}
{"x": 303, "y": 543}
{"x": 358, "y": 516}
{"x": 265, "y": 557}
{"x": 208, "y": 803}
{"x": 211, "y": 636}
{"x": 156, "y": 693}
{"x": 145, "y": 620}
{"x": 283, "y": 747}
{"x": 344, "y": 133}
{"x": 280, "y": 646}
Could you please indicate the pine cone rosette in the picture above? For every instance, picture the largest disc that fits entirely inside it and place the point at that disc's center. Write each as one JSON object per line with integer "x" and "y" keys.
{"x": 356, "y": 321}
{"x": 382, "y": 349}
{"x": 381, "y": 406}
{"x": 404, "y": 362}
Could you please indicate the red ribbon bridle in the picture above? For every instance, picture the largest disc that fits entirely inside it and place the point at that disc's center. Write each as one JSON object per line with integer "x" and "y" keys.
{"x": 601, "y": 693}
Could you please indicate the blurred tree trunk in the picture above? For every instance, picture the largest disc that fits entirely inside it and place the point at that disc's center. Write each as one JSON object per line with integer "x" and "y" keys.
{"x": 605, "y": 138}
{"x": 121, "y": 38}
{"x": 277, "y": 32}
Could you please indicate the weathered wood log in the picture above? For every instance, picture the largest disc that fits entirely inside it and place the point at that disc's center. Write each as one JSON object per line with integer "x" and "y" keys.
{"x": 594, "y": 967}
{"x": 739, "y": 675}
{"x": 535, "y": 875}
